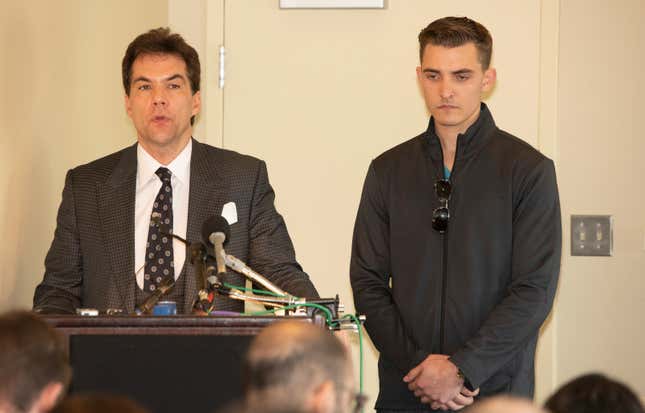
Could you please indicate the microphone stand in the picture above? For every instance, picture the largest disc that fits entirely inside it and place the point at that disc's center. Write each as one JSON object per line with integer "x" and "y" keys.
{"x": 209, "y": 284}
{"x": 203, "y": 304}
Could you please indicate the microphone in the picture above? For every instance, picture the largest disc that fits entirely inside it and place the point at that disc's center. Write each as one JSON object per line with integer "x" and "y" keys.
{"x": 147, "y": 306}
{"x": 215, "y": 232}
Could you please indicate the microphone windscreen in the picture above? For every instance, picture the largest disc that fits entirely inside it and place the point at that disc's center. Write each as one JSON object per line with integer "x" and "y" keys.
{"x": 216, "y": 223}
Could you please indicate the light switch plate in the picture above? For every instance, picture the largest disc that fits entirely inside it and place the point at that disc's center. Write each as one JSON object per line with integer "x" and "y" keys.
{"x": 592, "y": 235}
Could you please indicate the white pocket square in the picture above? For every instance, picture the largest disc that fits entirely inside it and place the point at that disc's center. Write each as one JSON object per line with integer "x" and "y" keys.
{"x": 229, "y": 211}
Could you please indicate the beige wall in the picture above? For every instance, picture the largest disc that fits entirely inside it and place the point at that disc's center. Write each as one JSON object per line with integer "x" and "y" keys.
{"x": 318, "y": 94}
{"x": 61, "y": 104}
{"x": 601, "y": 304}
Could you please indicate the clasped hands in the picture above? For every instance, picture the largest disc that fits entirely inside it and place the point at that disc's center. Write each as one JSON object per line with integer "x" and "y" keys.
{"x": 436, "y": 382}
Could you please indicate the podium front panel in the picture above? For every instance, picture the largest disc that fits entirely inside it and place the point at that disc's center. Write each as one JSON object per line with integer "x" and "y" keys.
{"x": 168, "y": 364}
{"x": 165, "y": 373}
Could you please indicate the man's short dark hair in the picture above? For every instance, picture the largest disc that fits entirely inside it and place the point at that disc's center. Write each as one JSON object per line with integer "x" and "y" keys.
{"x": 161, "y": 41}
{"x": 594, "y": 393}
{"x": 32, "y": 355}
{"x": 457, "y": 31}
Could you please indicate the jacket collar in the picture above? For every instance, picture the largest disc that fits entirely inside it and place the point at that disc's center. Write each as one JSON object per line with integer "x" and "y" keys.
{"x": 468, "y": 143}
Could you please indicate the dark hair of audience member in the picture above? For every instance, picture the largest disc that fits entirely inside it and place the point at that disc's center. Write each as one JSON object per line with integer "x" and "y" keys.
{"x": 32, "y": 356}
{"x": 594, "y": 393}
{"x": 240, "y": 406}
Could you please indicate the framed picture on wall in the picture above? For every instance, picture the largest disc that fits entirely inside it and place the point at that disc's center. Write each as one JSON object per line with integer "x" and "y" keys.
{"x": 332, "y": 4}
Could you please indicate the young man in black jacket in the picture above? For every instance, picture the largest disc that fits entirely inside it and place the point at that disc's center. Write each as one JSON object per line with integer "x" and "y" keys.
{"x": 457, "y": 241}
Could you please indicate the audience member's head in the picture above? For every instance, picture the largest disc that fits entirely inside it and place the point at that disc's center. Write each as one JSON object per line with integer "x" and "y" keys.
{"x": 298, "y": 367}
{"x": 243, "y": 406}
{"x": 34, "y": 371}
{"x": 97, "y": 403}
{"x": 594, "y": 393}
{"x": 504, "y": 404}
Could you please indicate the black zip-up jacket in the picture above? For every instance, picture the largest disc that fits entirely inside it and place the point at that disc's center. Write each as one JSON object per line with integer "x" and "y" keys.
{"x": 489, "y": 294}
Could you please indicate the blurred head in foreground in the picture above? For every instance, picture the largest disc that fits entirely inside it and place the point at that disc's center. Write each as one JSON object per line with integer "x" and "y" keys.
{"x": 34, "y": 370}
{"x": 594, "y": 393}
{"x": 294, "y": 366}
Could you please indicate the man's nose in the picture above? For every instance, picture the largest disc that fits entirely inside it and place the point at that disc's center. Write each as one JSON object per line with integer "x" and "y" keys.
{"x": 446, "y": 90}
{"x": 159, "y": 97}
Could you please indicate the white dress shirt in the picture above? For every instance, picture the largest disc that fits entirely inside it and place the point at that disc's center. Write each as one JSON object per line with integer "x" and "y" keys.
{"x": 148, "y": 185}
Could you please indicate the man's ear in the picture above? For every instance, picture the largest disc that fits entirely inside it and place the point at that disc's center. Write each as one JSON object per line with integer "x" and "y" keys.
{"x": 323, "y": 398}
{"x": 490, "y": 77}
{"x": 197, "y": 103}
{"x": 419, "y": 73}
{"x": 126, "y": 103}
{"x": 48, "y": 398}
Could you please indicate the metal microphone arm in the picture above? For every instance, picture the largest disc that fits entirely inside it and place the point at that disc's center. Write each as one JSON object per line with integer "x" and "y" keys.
{"x": 298, "y": 306}
{"x": 240, "y": 267}
{"x": 290, "y": 303}
{"x": 271, "y": 301}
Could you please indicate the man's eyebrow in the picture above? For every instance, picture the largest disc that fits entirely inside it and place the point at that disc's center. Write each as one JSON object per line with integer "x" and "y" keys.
{"x": 140, "y": 79}
{"x": 175, "y": 76}
{"x": 168, "y": 79}
{"x": 454, "y": 72}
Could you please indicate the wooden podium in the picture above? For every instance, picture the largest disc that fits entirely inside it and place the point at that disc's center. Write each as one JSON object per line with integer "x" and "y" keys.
{"x": 166, "y": 363}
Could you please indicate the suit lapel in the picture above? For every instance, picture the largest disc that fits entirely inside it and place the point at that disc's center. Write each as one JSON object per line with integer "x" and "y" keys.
{"x": 116, "y": 199}
{"x": 207, "y": 192}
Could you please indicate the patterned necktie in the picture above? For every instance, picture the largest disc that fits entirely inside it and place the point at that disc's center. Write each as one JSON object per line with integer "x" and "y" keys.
{"x": 159, "y": 256}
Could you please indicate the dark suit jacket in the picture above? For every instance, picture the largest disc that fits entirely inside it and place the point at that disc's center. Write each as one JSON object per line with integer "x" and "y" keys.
{"x": 91, "y": 260}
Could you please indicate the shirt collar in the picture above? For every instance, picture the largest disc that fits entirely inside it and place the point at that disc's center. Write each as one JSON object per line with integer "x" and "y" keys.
{"x": 179, "y": 167}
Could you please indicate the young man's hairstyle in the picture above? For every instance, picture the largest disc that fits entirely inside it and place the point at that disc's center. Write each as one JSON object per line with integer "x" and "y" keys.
{"x": 594, "y": 393}
{"x": 457, "y": 31}
{"x": 32, "y": 355}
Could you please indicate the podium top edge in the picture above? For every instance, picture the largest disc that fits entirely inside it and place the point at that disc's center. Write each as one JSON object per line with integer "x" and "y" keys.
{"x": 59, "y": 321}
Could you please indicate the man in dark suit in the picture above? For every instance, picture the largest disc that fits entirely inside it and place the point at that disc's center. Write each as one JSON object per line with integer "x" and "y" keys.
{"x": 107, "y": 251}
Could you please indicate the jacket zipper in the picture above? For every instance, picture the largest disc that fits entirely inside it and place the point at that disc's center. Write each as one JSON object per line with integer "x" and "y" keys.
{"x": 444, "y": 260}
{"x": 444, "y": 282}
